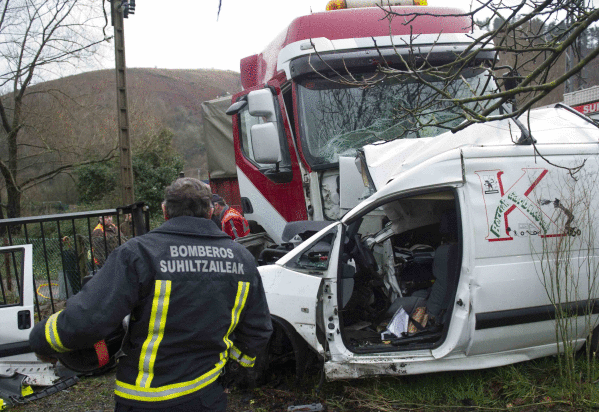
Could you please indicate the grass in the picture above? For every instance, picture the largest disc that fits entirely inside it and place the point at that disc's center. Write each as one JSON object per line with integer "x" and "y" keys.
{"x": 532, "y": 386}
{"x": 529, "y": 386}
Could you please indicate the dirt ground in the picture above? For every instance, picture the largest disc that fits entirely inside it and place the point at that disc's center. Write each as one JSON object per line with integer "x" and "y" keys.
{"x": 95, "y": 394}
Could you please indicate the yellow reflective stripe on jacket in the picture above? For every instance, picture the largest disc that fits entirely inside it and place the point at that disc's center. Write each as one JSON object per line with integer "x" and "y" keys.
{"x": 163, "y": 393}
{"x": 243, "y": 360}
{"x": 52, "y": 334}
{"x": 243, "y": 289}
{"x": 233, "y": 229}
{"x": 142, "y": 391}
{"x": 147, "y": 358}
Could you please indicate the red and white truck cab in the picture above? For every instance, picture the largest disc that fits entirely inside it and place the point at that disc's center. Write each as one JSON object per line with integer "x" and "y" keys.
{"x": 298, "y": 97}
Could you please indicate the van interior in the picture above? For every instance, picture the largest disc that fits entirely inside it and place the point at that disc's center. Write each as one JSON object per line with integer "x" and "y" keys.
{"x": 399, "y": 274}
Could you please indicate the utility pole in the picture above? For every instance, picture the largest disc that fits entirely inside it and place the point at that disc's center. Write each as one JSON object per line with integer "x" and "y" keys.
{"x": 119, "y": 10}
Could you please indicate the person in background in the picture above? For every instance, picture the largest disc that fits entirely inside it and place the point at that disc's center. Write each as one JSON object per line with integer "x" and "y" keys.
{"x": 105, "y": 238}
{"x": 215, "y": 216}
{"x": 195, "y": 299}
{"x": 232, "y": 222}
{"x": 126, "y": 226}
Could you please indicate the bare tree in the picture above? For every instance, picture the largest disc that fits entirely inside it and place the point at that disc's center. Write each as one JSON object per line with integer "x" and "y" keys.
{"x": 570, "y": 274}
{"x": 516, "y": 60}
{"x": 40, "y": 39}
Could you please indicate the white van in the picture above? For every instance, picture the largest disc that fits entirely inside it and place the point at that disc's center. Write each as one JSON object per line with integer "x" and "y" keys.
{"x": 465, "y": 226}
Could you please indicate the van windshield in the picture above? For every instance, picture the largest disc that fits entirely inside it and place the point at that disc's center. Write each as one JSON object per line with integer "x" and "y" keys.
{"x": 336, "y": 119}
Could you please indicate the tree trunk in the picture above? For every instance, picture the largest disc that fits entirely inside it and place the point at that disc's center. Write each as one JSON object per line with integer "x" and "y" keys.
{"x": 13, "y": 192}
{"x": 2, "y": 228}
{"x": 13, "y": 204}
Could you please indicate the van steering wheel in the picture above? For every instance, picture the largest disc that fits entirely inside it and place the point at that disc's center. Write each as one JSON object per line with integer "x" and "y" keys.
{"x": 365, "y": 258}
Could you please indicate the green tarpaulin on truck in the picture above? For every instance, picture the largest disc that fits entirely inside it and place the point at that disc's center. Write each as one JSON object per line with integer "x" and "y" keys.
{"x": 218, "y": 137}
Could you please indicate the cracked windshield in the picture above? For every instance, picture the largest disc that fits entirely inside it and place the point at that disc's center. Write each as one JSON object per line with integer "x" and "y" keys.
{"x": 336, "y": 118}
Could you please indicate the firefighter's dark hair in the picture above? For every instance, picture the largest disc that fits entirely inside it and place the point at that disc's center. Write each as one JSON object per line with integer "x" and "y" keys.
{"x": 187, "y": 196}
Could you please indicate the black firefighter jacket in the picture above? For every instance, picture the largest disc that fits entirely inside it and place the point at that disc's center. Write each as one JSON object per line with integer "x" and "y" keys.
{"x": 195, "y": 298}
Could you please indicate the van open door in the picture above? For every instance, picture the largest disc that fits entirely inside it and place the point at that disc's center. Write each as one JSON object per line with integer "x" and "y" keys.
{"x": 294, "y": 285}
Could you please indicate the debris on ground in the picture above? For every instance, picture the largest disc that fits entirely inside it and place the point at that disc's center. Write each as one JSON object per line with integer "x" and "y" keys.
{"x": 315, "y": 407}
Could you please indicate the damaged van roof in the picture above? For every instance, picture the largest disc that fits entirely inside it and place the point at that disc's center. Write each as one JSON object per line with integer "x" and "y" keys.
{"x": 550, "y": 126}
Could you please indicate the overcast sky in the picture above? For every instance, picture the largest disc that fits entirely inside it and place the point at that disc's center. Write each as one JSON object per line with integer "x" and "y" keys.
{"x": 184, "y": 34}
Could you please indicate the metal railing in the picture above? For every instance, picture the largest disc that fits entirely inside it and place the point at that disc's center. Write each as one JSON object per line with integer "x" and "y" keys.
{"x": 66, "y": 249}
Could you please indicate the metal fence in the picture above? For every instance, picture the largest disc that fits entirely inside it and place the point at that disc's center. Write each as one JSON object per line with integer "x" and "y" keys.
{"x": 67, "y": 248}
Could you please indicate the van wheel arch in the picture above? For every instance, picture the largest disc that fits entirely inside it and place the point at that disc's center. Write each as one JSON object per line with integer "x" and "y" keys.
{"x": 285, "y": 340}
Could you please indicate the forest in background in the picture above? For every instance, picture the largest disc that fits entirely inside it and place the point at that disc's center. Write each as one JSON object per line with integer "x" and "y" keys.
{"x": 528, "y": 61}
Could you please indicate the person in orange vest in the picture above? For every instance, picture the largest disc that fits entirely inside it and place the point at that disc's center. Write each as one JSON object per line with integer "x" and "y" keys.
{"x": 105, "y": 238}
{"x": 232, "y": 222}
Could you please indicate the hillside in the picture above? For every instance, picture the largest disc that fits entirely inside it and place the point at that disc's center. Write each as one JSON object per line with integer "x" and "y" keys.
{"x": 175, "y": 98}
{"x": 170, "y": 98}
{"x": 78, "y": 115}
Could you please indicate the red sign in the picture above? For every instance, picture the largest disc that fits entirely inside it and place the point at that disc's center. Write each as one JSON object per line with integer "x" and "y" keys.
{"x": 587, "y": 108}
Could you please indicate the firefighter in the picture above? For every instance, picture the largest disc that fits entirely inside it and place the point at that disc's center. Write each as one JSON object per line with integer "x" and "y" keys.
{"x": 195, "y": 300}
{"x": 232, "y": 222}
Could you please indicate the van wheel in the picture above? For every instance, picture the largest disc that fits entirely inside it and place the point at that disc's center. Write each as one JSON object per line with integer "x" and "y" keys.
{"x": 261, "y": 366}
{"x": 594, "y": 342}
{"x": 591, "y": 345}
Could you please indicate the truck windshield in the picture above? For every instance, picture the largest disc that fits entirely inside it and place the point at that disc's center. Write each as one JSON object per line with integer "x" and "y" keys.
{"x": 336, "y": 119}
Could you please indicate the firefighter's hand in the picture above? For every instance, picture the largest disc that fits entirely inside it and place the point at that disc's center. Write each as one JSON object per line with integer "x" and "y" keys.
{"x": 238, "y": 376}
{"x": 47, "y": 359}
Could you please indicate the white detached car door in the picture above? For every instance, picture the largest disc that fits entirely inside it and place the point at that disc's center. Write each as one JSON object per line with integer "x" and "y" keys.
{"x": 17, "y": 316}
{"x": 16, "y": 306}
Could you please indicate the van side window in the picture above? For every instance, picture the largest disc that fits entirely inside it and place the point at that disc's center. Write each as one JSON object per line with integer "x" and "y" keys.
{"x": 316, "y": 258}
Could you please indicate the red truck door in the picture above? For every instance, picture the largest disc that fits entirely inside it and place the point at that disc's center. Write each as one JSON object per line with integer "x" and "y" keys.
{"x": 270, "y": 195}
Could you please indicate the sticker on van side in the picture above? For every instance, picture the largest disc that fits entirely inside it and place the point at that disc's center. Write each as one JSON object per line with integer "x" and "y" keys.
{"x": 500, "y": 202}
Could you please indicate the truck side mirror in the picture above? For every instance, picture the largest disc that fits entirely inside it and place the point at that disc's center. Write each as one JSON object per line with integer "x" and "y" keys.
{"x": 265, "y": 143}
{"x": 260, "y": 104}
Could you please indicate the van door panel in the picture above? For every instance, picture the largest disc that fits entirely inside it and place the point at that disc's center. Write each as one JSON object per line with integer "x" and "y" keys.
{"x": 292, "y": 296}
{"x": 294, "y": 291}
{"x": 515, "y": 217}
